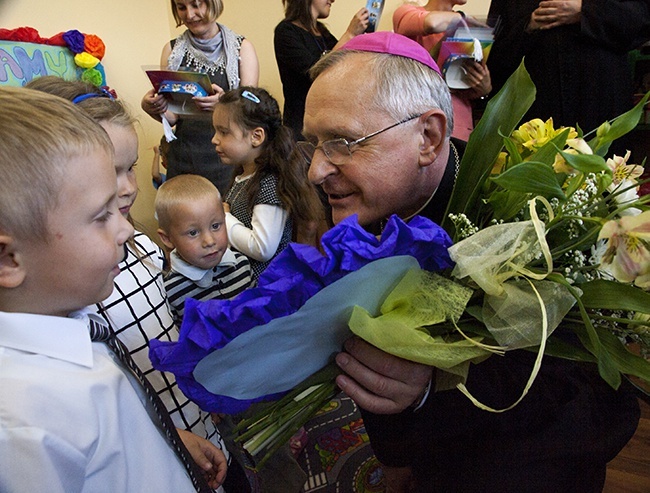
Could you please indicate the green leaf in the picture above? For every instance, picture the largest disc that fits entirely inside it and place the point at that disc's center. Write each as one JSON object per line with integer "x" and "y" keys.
{"x": 604, "y": 180}
{"x": 612, "y": 295}
{"x": 513, "y": 153}
{"x": 507, "y": 204}
{"x": 619, "y": 127}
{"x": 502, "y": 115}
{"x": 546, "y": 154}
{"x": 559, "y": 348}
{"x": 531, "y": 177}
{"x": 587, "y": 163}
{"x": 574, "y": 183}
{"x": 606, "y": 367}
{"x": 627, "y": 362}
{"x": 589, "y": 337}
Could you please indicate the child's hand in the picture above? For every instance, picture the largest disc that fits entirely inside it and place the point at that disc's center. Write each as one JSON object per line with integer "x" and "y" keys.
{"x": 226, "y": 207}
{"x": 217, "y": 417}
{"x": 207, "y": 456}
{"x": 478, "y": 76}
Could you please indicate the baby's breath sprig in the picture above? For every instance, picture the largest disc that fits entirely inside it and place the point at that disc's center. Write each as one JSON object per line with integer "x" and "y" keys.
{"x": 464, "y": 227}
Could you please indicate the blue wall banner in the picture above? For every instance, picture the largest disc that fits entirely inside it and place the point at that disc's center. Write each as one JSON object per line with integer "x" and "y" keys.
{"x": 21, "y": 62}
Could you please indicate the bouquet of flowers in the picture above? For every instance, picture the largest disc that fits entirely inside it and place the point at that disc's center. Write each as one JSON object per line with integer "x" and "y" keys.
{"x": 545, "y": 237}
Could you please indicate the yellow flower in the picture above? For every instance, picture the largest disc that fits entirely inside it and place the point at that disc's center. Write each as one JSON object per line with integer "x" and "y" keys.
{"x": 642, "y": 317}
{"x": 622, "y": 171}
{"x": 627, "y": 257}
{"x": 500, "y": 162}
{"x": 576, "y": 146}
{"x": 534, "y": 134}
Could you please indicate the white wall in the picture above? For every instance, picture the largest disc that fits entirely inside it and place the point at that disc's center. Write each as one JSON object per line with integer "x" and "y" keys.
{"x": 135, "y": 31}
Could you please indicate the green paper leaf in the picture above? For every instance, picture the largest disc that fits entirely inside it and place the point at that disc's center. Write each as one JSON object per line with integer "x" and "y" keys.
{"x": 420, "y": 299}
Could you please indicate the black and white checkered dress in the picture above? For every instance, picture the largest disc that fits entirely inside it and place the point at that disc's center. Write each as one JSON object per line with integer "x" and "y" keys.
{"x": 138, "y": 311}
{"x": 239, "y": 207}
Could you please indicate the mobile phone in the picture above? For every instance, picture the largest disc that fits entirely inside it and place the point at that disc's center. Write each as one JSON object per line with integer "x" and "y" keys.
{"x": 375, "y": 8}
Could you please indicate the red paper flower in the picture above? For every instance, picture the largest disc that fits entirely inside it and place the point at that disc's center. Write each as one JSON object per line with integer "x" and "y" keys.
{"x": 24, "y": 34}
{"x": 56, "y": 40}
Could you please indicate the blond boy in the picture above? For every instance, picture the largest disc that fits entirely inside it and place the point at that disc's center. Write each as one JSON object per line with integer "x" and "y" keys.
{"x": 71, "y": 419}
{"x": 192, "y": 225}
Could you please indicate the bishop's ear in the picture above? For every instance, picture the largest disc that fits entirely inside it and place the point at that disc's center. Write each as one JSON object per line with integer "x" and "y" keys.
{"x": 434, "y": 132}
{"x": 12, "y": 270}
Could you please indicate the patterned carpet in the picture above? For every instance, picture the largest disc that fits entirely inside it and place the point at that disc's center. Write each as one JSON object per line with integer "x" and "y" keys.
{"x": 338, "y": 457}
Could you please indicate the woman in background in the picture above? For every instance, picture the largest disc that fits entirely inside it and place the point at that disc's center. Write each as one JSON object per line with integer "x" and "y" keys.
{"x": 299, "y": 41}
{"x": 229, "y": 60}
{"x": 427, "y": 25}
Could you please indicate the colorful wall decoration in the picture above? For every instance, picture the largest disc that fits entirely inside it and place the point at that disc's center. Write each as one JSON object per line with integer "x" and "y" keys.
{"x": 72, "y": 55}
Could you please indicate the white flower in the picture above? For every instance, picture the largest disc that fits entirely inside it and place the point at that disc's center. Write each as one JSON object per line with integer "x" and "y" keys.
{"x": 622, "y": 171}
{"x": 626, "y": 193}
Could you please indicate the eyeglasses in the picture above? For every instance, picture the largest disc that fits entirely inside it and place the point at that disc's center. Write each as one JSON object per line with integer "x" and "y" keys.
{"x": 338, "y": 151}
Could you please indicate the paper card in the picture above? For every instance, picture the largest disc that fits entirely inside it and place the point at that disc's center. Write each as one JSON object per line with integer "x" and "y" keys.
{"x": 180, "y": 88}
{"x": 452, "y": 55}
{"x": 453, "y": 52}
{"x": 375, "y": 8}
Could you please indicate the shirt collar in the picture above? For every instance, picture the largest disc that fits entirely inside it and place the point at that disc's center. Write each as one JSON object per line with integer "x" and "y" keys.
{"x": 67, "y": 339}
{"x": 202, "y": 277}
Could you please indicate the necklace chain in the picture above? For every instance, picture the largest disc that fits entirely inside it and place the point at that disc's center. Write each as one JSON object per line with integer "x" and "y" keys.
{"x": 322, "y": 46}
{"x": 244, "y": 185}
{"x": 456, "y": 160}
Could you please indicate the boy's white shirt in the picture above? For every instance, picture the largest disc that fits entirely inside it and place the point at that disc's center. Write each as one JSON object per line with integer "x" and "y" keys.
{"x": 201, "y": 277}
{"x": 66, "y": 339}
{"x": 70, "y": 421}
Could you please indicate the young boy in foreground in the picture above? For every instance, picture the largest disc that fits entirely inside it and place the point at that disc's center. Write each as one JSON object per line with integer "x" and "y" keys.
{"x": 70, "y": 418}
{"x": 192, "y": 223}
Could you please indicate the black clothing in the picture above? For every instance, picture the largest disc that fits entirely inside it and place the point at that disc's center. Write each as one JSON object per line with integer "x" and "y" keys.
{"x": 193, "y": 152}
{"x": 296, "y": 51}
{"x": 559, "y": 438}
{"x": 581, "y": 71}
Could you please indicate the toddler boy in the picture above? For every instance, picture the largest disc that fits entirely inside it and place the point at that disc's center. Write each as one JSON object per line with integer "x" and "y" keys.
{"x": 72, "y": 418}
{"x": 192, "y": 225}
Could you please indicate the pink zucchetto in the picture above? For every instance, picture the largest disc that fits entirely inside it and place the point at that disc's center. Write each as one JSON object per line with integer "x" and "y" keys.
{"x": 392, "y": 44}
